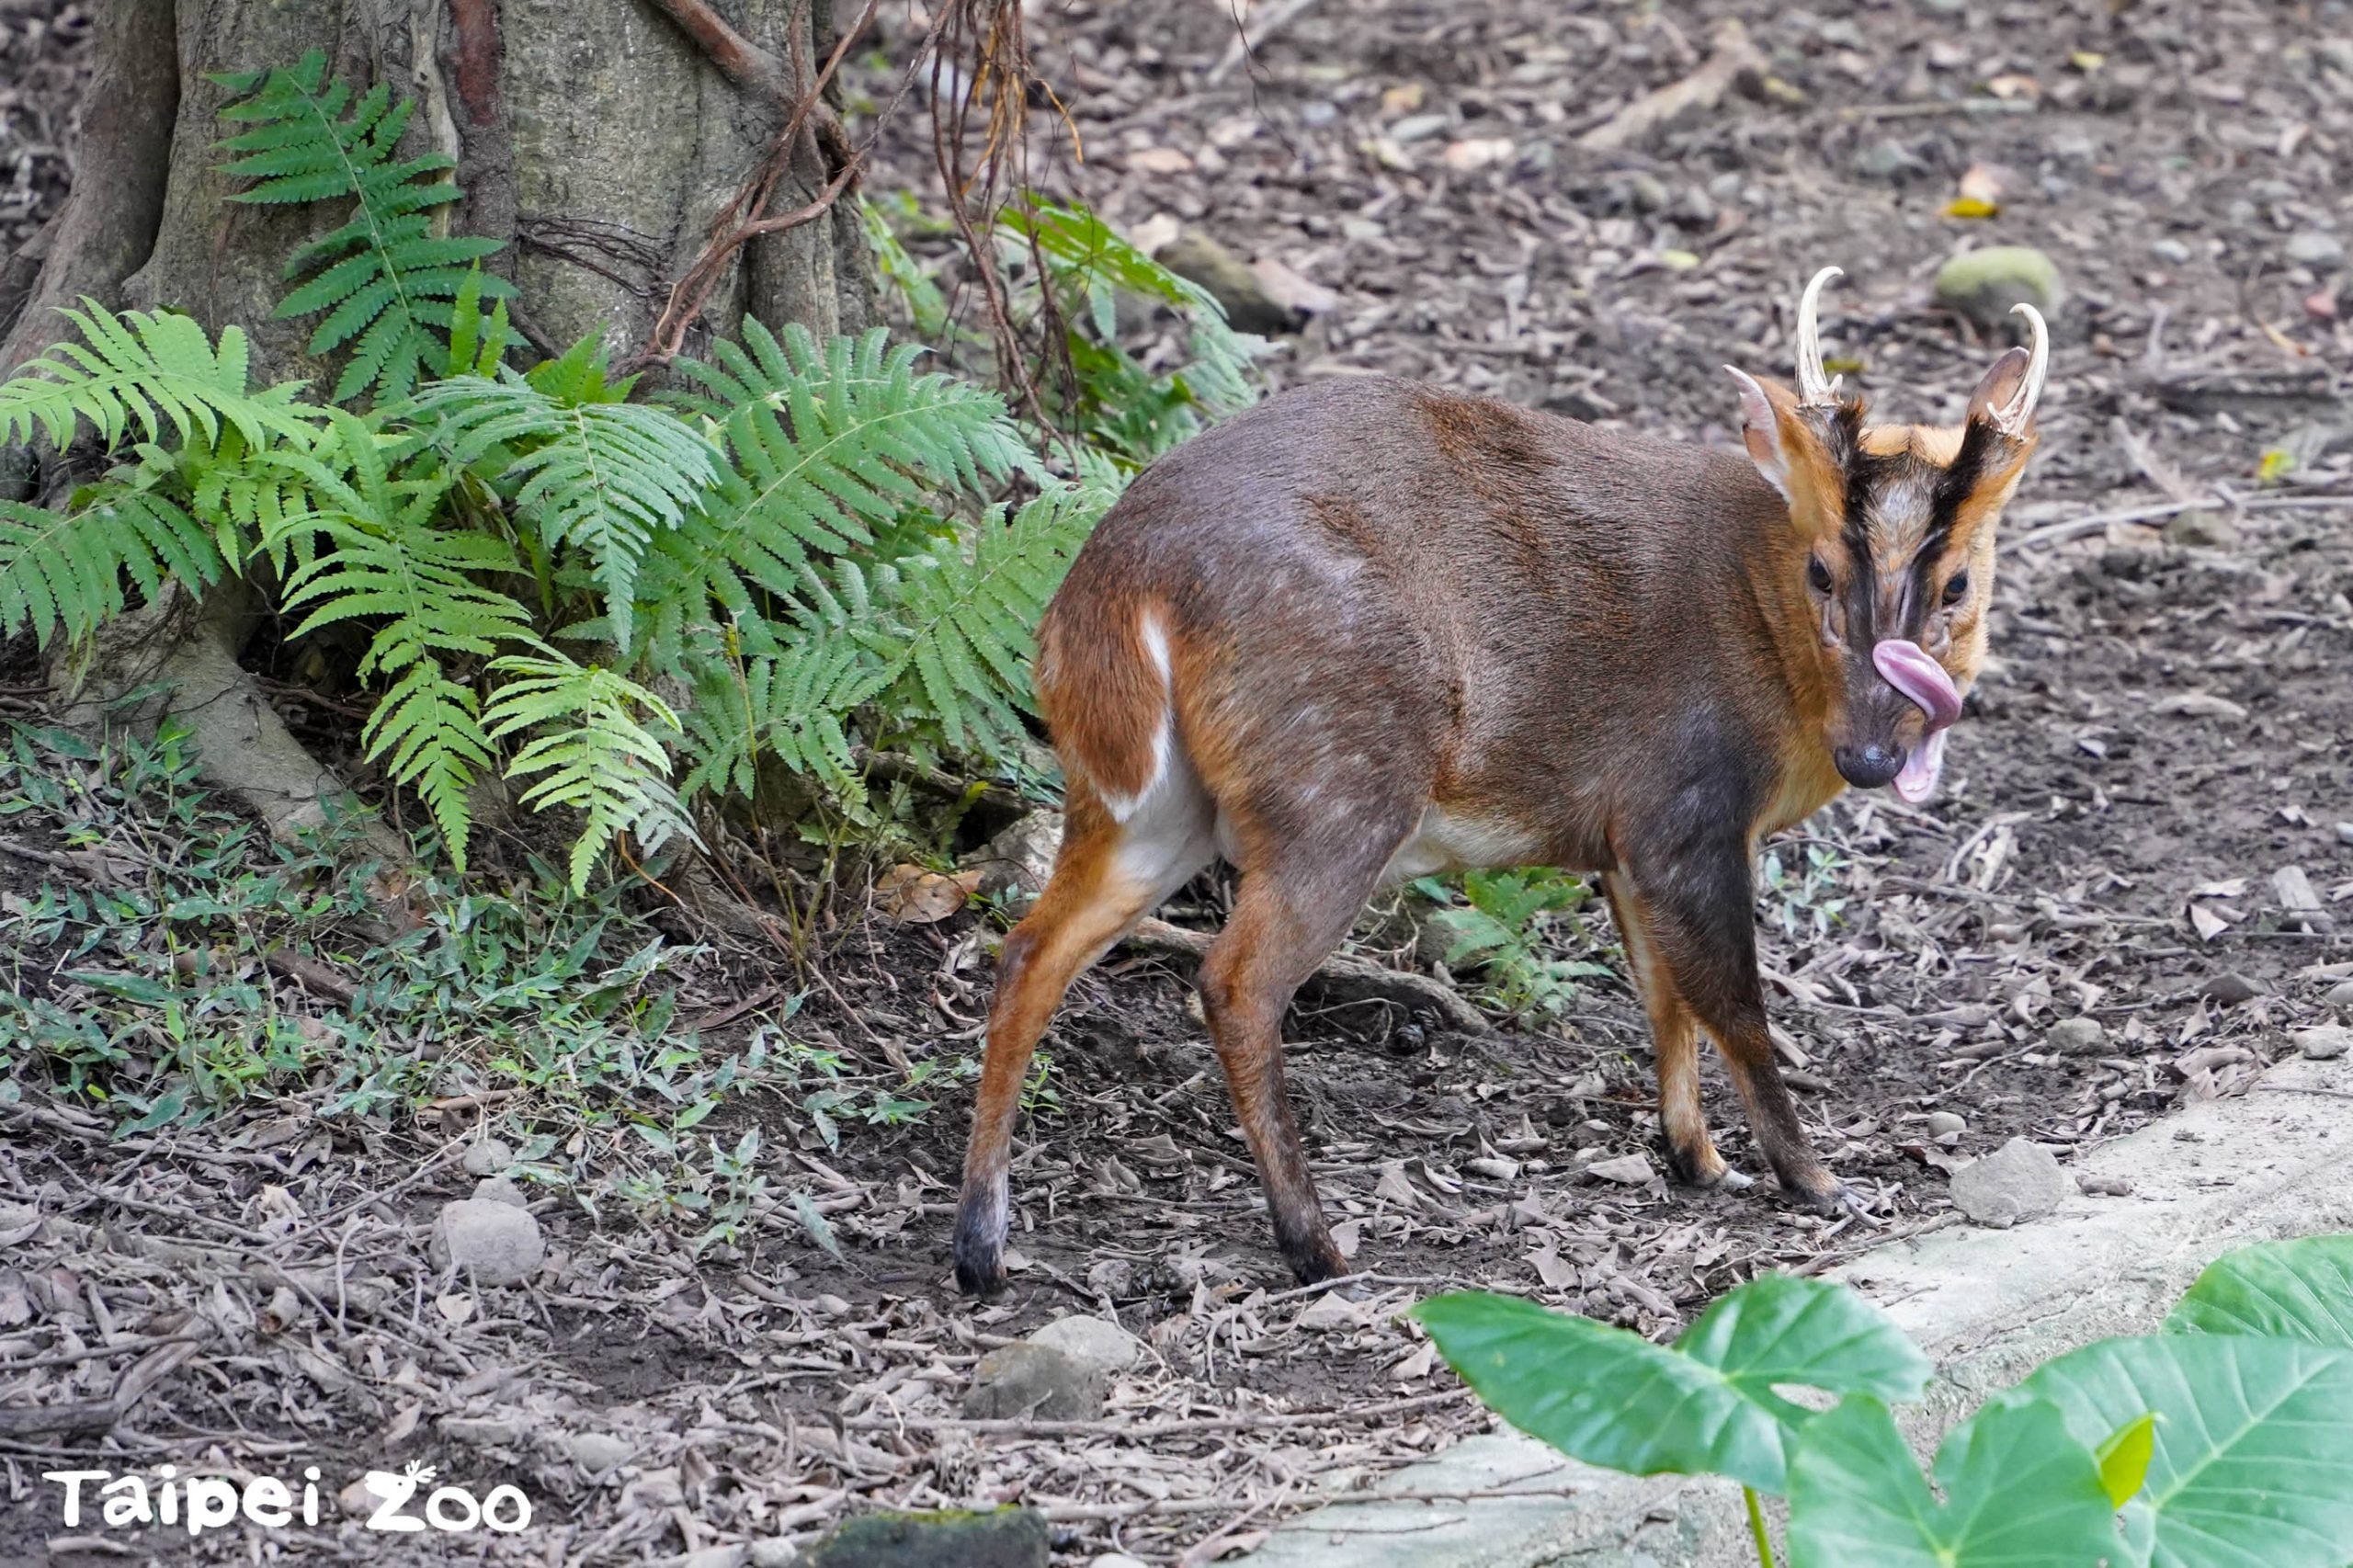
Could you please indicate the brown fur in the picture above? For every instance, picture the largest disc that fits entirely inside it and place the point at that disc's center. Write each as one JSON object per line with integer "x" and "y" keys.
{"x": 1385, "y": 607}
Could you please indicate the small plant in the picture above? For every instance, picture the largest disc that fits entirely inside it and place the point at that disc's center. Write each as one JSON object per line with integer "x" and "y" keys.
{"x": 2224, "y": 1440}
{"x": 1803, "y": 900}
{"x": 1503, "y": 930}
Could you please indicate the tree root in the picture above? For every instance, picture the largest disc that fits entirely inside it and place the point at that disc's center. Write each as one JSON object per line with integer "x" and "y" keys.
{"x": 177, "y": 657}
{"x": 1342, "y": 978}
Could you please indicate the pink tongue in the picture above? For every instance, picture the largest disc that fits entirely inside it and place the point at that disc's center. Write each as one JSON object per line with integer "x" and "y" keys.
{"x": 1907, "y": 667}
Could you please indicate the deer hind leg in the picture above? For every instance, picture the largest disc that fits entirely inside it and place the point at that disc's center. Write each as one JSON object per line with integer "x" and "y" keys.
{"x": 1698, "y": 917}
{"x": 1109, "y": 874}
{"x": 1683, "y": 1122}
{"x": 1293, "y": 908}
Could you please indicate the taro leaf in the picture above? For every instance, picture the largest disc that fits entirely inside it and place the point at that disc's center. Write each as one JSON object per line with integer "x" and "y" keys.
{"x": 2252, "y": 1465}
{"x": 2301, "y": 1290}
{"x": 1703, "y": 1406}
{"x": 2019, "y": 1492}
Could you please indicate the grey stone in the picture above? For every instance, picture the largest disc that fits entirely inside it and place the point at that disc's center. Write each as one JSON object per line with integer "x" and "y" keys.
{"x": 1026, "y": 1380}
{"x": 2324, "y": 1042}
{"x": 2345, "y": 832}
{"x": 497, "y": 1244}
{"x": 2170, "y": 250}
{"x": 482, "y": 1431}
{"x": 2229, "y": 990}
{"x": 774, "y": 1553}
{"x": 488, "y": 1157}
{"x": 498, "y": 1190}
{"x": 2076, "y": 1037}
{"x": 1004, "y": 1537}
{"x": 596, "y": 1453}
{"x": 1417, "y": 128}
{"x": 1016, "y": 863}
{"x": 1984, "y": 284}
{"x": 2314, "y": 248}
{"x": 2197, "y": 530}
{"x": 1104, "y": 1347}
{"x": 1944, "y": 1123}
{"x": 2020, "y": 1180}
{"x": 2340, "y": 995}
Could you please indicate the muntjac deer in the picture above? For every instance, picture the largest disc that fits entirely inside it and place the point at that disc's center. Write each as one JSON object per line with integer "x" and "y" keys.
{"x": 1373, "y": 629}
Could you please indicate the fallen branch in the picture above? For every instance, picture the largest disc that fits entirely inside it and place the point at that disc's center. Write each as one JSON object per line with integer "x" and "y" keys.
{"x": 1342, "y": 976}
{"x": 97, "y": 1414}
{"x": 1731, "y": 57}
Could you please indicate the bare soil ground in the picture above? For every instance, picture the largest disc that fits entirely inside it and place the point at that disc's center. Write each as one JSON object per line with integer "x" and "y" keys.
{"x": 2165, "y": 731}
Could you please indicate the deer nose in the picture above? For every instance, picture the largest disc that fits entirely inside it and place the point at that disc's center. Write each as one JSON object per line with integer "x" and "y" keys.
{"x": 1869, "y": 767}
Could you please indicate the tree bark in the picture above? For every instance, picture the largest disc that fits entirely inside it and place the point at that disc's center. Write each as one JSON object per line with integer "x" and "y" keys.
{"x": 596, "y": 138}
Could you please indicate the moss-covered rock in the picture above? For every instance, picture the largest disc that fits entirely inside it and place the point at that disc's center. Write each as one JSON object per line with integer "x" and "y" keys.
{"x": 1000, "y": 1537}
{"x": 1984, "y": 285}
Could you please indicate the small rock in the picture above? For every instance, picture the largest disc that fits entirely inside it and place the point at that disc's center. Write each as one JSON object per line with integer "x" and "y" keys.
{"x": 1417, "y": 128}
{"x": 1103, "y": 1347}
{"x": 1229, "y": 280}
{"x": 2171, "y": 251}
{"x": 1017, "y": 862}
{"x": 2104, "y": 1185}
{"x": 1026, "y": 1380}
{"x": 2196, "y": 529}
{"x": 2076, "y": 1037}
{"x": 1003, "y": 1538}
{"x": 2019, "y": 1181}
{"x": 2229, "y": 990}
{"x": 498, "y": 1190}
{"x": 714, "y": 1557}
{"x": 1632, "y": 1169}
{"x": 1984, "y": 284}
{"x": 2340, "y": 995}
{"x": 497, "y": 1244}
{"x": 488, "y": 1157}
{"x": 482, "y": 1431}
{"x": 1884, "y": 160}
{"x": 774, "y": 1553}
{"x": 2324, "y": 1042}
{"x": 2314, "y": 248}
{"x": 596, "y": 1453}
{"x": 1942, "y": 1124}
{"x": 2345, "y": 832}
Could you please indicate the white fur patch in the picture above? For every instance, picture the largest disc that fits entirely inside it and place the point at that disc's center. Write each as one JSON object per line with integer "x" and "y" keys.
{"x": 1164, "y": 736}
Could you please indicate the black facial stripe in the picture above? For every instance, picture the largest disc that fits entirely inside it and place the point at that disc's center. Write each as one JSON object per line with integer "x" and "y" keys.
{"x": 1958, "y": 480}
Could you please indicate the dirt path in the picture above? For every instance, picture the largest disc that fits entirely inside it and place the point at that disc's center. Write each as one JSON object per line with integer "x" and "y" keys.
{"x": 2165, "y": 730}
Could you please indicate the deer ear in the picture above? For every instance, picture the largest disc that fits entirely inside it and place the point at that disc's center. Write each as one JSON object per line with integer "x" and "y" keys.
{"x": 1770, "y": 440}
{"x": 2000, "y": 387}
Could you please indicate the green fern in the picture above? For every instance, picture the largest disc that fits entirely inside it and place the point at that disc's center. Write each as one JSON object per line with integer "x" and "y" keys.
{"x": 157, "y": 375}
{"x": 955, "y": 640}
{"x": 62, "y": 572}
{"x": 384, "y": 278}
{"x": 790, "y": 700}
{"x": 595, "y": 473}
{"x": 596, "y": 757}
{"x": 383, "y": 556}
{"x": 825, "y": 444}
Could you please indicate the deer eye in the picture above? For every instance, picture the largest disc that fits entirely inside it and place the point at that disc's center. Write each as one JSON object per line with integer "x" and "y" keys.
{"x": 1817, "y": 574}
{"x": 1958, "y": 588}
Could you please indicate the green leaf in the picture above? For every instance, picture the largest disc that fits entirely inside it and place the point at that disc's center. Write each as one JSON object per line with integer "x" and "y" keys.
{"x": 2124, "y": 1458}
{"x": 2019, "y": 1492}
{"x": 2299, "y": 1290}
{"x": 1706, "y": 1405}
{"x": 2252, "y": 1465}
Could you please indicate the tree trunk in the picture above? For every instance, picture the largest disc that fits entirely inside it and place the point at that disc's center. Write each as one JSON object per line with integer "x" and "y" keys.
{"x": 597, "y": 138}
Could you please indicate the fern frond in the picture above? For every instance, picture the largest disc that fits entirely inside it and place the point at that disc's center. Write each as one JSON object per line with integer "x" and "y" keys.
{"x": 157, "y": 375}
{"x": 384, "y": 278}
{"x": 955, "y": 641}
{"x": 825, "y": 444}
{"x": 596, "y": 473}
{"x": 792, "y": 701}
{"x": 63, "y": 572}
{"x": 381, "y": 556}
{"x": 596, "y": 756}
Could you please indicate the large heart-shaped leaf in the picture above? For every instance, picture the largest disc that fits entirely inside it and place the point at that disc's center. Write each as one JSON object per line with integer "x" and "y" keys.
{"x": 2020, "y": 1491}
{"x": 1704, "y": 1406}
{"x": 2301, "y": 1290}
{"x": 2252, "y": 1465}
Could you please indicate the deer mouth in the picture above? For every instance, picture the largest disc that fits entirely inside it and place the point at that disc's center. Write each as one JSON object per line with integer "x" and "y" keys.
{"x": 1909, "y": 669}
